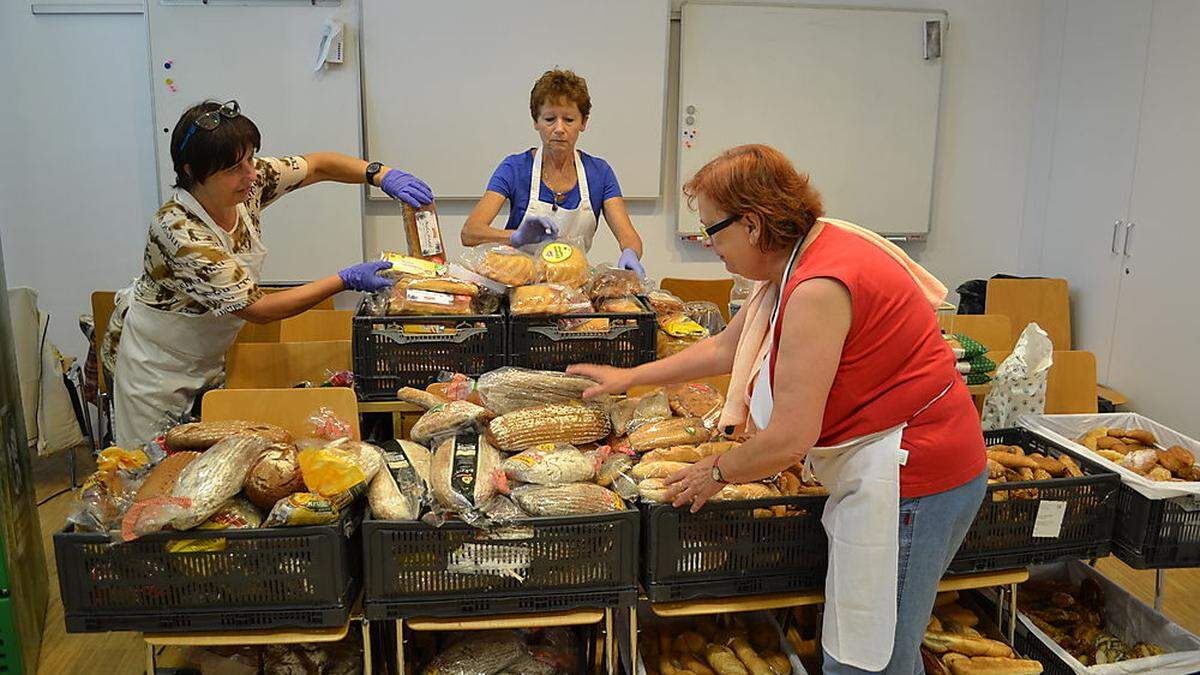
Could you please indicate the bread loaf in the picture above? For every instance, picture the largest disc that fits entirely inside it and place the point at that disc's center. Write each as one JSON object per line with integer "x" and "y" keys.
{"x": 662, "y": 469}
{"x": 161, "y": 479}
{"x": 553, "y": 423}
{"x": 566, "y": 500}
{"x": 632, "y": 412}
{"x": 460, "y": 477}
{"x": 204, "y": 435}
{"x": 990, "y": 665}
{"x": 956, "y": 613}
{"x": 626, "y": 305}
{"x": 448, "y": 419}
{"x": 507, "y": 265}
{"x": 507, "y": 389}
{"x": 669, "y": 432}
{"x": 695, "y": 399}
{"x": 564, "y": 264}
{"x": 275, "y": 475}
{"x": 547, "y": 299}
{"x": 424, "y": 399}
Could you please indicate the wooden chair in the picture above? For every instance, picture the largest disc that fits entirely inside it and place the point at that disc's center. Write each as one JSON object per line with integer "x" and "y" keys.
{"x": 281, "y": 365}
{"x": 715, "y": 291}
{"x": 271, "y": 332}
{"x": 1071, "y": 385}
{"x": 103, "y": 305}
{"x": 990, "y": 330}
{"x": 288, "y": 408}
{"x": 317, "y": 325}
{"x": 1044, "y": 301}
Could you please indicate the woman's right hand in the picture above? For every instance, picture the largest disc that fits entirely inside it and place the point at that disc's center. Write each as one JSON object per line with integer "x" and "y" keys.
{"x": 609, "y": 380}
{"x": 533, "y": 230}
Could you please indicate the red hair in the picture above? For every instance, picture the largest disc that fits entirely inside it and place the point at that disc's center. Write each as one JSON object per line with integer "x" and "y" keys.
{"x": 758, "y": 179}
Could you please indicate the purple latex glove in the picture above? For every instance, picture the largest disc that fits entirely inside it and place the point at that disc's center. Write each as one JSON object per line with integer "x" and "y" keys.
{"x": 407, "y": 188}
{"x": 365, "y": 276}
{"x": 533, "y": 230}
{"x": 629, "y": 261}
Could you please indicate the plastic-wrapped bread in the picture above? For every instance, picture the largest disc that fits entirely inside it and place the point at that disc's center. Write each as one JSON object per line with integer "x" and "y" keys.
{"x": 550, "y": 464}
{"x": 653, "y": 490}
{"x": 554, "y": 423}
{"x": 688, "y": 453}
{"x": 625, "y": 305}
{"x": 565, "y": 264}
{"x": 461, "y": 474}
{"x": 397, "y": 491}
{"x": 511, "y": 388}
{"x": 448, "y": 419}
{"x": 161, "y": 479}
{"x": 695, "y": 399}
{"x": 661, "y": 469}
{"x": 742, "y": 491}
{"x": 669, "y": 432}
{"x": 548, "y": 299}
{"x": 204, "y": 435}
{"x": 614, "y": 474}
{"x": 664, "y": 302}
{"x": 482, "y": 653}
{"x": 275, "y": 475}
{"x": 417, "y": 397}
{"x": 610, "y": 281}
{"x": 630, "y": 413}
{"x": 503, "y": 264}
{"x": 566, "y": 500}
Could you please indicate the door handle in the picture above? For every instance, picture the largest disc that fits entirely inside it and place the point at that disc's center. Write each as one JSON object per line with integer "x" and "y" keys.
{"x": 1116, "y": 228}
{"x": 1128, "y": 236}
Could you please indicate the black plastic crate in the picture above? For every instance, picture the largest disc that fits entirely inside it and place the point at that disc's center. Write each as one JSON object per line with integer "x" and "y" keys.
{"x": 538, "y": 341}
{"x": 536, "y": 565}
{"x": 263, "y": 578}
{"x": 386, "y": 357}
{"x": 1156, "y": 533}
{"x": 731, "y": 549}
{"x": 1002, "y": 535}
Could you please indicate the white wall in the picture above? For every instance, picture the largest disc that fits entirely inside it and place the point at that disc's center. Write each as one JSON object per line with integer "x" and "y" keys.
{"x": 987, "y": 125}
{"x": 77, "y": 181}
{"x": 77, "y": 184}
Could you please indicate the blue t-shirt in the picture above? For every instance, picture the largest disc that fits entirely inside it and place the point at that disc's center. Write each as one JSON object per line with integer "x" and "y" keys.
{"x": 511, "y": 179}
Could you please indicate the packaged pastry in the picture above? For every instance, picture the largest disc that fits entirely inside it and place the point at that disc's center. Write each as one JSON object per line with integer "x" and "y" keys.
{"x": 564, "y": 264}
{"x": 669, "y": 432}
{"x": 695, "y": 399}
{"x": 423, "y": 233}
{"x": 406, "y": 265}
{"x": 664, "y": 302}
{"x": 624, "y": 305}
{"x": 503, "y": 264}
{"x": 448, "y": 419}
{"x": 632, "y": 412}
{"x": 609, "y": 281}
{"x": 548, "y": 299}
{"x": 408, "y": 298}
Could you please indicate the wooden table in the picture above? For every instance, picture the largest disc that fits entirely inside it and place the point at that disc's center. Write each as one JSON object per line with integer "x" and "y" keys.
{"x": 579, "y": 617}
{"x": 752, "y": 603}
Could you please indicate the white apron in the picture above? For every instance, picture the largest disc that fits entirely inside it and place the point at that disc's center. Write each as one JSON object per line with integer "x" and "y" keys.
{"x": 861, "y": 520}
{"x": 165, "y": 358}
{"x": 577, "y": 225}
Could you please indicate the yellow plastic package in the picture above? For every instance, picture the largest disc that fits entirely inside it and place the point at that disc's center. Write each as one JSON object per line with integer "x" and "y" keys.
{"x": 330, "y": 470}
{"x": 300, "y": 509}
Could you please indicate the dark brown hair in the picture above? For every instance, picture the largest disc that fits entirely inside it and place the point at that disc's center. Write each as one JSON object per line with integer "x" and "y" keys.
{"x": 558, "y": 85}
{"x": 758, "y": 179}
{"x": 210, "y": 151}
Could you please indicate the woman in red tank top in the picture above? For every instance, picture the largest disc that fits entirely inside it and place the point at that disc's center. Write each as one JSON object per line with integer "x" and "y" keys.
{"x": 854, "y": 353}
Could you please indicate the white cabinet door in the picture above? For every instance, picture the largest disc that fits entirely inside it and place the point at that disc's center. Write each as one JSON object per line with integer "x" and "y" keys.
{"x": 1092, "y": 160}
{"x": 1157, "y": 333}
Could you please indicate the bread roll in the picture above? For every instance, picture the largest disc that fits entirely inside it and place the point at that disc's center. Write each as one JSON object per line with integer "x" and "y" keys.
{"x": 1048, "y": 464}
{"x": 660, "y": 469}
{"x": 675, "y": 453}
{"x": 1011, "y": 461}
{"x": 1146, "y": 438}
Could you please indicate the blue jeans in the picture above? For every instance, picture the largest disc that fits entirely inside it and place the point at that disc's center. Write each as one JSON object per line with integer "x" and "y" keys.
{"x": 931, "y": 530}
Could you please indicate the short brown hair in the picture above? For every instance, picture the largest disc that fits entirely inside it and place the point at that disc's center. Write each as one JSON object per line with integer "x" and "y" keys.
{"x": 556, "y": 85}
{"x": 208, "y": 152}
{"x": 759, "y": 179}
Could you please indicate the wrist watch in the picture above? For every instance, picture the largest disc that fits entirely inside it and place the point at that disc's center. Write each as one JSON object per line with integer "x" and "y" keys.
{"x": 716, "y": 472}
{"x": 372, "y": 170}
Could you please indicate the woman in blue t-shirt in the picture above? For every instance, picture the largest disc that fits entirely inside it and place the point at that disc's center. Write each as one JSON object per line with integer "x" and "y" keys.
{"x": 555, "y": 191}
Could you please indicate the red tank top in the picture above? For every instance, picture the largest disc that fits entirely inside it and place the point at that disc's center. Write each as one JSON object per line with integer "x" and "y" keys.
{"x": 894, "y": 362}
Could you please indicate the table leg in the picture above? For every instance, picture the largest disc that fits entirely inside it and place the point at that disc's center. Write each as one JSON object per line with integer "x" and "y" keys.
{"x": 1160, "y": 580}
{"x": 366, "y": 644}
{"x": 400, "y": 647}
{"x": 633, "y": 639}
{"x": 1012, "y": 614}
{"x": 609, "y": 642}
{"x": 150, "y": 666}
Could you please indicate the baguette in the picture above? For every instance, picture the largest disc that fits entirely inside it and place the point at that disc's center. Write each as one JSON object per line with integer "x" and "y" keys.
{"x": 662, "y": 469}
{"x": 1011, "y": 461}
{"x": 675, "y": 453}
{"x": 1049, "y": 464}
{"x": 990, "y": 665}
{"x": 1070, "y": 466}
{"x": 420, "y": 398}
{"x": 724, "y": 661}
{"x": 750, "y": 658}
{"x": 965, "y": 644}
{"x": 956, "y": 613}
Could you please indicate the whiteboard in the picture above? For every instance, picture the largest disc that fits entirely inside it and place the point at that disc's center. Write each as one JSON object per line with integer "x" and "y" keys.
{"x": 263, "y": 55}
{"x": 446, "y": 84}
{"x": 846, "y": 94}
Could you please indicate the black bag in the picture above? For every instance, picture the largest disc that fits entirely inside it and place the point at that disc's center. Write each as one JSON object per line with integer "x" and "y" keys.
{"x": 972, "y": 295}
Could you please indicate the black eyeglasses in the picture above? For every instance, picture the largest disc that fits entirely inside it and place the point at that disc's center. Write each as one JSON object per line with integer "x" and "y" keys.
{"x": 710, "y": 230}
{"x": 211, "y": 120}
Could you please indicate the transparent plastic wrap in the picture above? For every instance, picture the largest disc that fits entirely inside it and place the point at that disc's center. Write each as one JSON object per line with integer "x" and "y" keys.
{"x": 503, "y": 264}
{"x": 161, "y": 479}
{"x": 275, "y": 474}
{"x": 573, "y": 423}
{"x": 696, "y": 399}
{"x": 407, "y": 265}
{"x": 236, "y": 514}
{"x": 448, "y": 419}
{"x": 457, "y": 387}
{"x": 656, "y": 490}
{"x": 677, "y": 332}
{"x": 487, "y": 301}
{"x": 550, "y": 464}
{"x": 669, "y": 432}
{"x": 482, "y": 653}
{"x": 705, "y": 314}
{"x": 423, "y": 399}
{"x": 634, "y": 411}
{"x": 326, "y": 424}
{"x": 199, "y": 436}
{"x": 400, "y": 490}
{"x": 665, "y": 302}
{"x": 742, "y": 287}
{"x": 555, "y": 299}
{"x": 460, "y": 476}
{"x": 511, "y": 388}
{"x": 339, "y": 470}
{"x": 344, "y": 657}
{"x": 302, "y": 509}
{"x": 416, "y": 297}
{"x": 612, "y": 282}
{"x": 614, "y": 474}
{"x": 623, "y": 305}
{"x": 563, "y": 263}
{"x": 566, "y": 500}
{"x": 202, "y": 487}
{"x": 106, "y": 495}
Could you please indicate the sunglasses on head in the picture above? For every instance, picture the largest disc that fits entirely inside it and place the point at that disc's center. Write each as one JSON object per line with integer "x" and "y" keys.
{"x": 710, "y": 230}
{"x": 211, "y": 120}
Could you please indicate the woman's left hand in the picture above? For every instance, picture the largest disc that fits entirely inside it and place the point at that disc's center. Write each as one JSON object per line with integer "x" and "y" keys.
{"x": 694, "y": 485}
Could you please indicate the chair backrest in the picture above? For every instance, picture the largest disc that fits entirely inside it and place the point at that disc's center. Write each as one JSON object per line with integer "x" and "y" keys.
{"x": 715, "y": 291}
{"x": 103, "y": 304}
{"x": 327, "y": 303}
{"x": 1071, "y": 384}
{"x": 281, "y": 365}
{"x": 270, "y": 332}
{"x": 288, "y": 408}
{"x": 316, "y": 325}
{"x": 1044, "y": 301}
{"x": 990, "y": 330}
